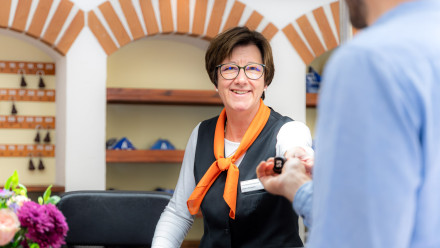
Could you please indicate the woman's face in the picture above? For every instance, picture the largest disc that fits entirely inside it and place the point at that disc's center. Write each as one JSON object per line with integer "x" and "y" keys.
{"x": 242, "y": 93}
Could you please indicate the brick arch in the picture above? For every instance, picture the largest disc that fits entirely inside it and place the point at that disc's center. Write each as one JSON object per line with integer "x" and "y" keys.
{"x": 57, "y": 28}
{"x": 198, "y": 20}
{"x": 309, "y": 45}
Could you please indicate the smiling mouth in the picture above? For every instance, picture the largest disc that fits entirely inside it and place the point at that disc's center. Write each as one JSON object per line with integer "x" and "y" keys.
{"x": 240, "y": 92}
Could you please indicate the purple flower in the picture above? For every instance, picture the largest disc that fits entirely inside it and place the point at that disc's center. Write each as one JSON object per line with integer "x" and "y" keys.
{"x": 45, "y": 224}
{"x": 14, "y": 207}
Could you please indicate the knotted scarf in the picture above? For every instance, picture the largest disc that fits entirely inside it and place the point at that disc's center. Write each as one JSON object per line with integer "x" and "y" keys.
{"x": 222, "y": 163}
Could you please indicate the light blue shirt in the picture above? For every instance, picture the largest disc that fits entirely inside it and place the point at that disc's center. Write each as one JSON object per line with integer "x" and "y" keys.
{"x": 302, "y": 203}
{"x": 377, "y": 170}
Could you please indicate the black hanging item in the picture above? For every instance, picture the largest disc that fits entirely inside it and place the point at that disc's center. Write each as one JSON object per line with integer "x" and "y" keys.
{"x": 23, "y": 81}
{"x": 41, "y": 165}
{"x": 31, "y": 164}
{"x": 41, "y": 84}
{"x": 37, "y": 137}
{"x": 47, "y": 137}
{"x": 14, "y": 109}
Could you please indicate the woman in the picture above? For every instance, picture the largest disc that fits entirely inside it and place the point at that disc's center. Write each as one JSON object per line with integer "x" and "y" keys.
{"x": 237, "y": 212}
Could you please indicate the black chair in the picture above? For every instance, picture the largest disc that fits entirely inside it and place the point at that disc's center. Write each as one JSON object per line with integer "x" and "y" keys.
{"x": 112, "y": 218}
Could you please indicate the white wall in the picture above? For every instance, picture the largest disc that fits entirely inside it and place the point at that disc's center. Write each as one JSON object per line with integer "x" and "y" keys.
{"x": 85, "y": 114}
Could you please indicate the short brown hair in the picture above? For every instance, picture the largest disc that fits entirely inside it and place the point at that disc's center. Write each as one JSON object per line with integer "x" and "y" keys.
{"x": 222, "y": 45}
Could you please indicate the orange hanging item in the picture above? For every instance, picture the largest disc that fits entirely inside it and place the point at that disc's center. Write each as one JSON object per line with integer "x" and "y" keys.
{"x": 222, "y": 163}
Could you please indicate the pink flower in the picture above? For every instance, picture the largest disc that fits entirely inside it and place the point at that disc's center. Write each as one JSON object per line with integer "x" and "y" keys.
{"x": 9, "y": 225}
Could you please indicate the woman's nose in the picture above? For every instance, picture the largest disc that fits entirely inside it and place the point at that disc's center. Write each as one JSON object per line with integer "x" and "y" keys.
{"x": 241, "y": 78}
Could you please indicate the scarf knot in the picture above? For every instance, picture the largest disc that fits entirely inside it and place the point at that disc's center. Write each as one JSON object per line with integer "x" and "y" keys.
{"x": 224, "y": 163}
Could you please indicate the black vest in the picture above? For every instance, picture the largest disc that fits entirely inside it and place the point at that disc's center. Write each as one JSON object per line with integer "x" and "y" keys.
{"x": 262, "y": 219}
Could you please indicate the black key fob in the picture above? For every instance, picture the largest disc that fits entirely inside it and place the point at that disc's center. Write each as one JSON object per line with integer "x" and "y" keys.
{"x": 278, "y": 164}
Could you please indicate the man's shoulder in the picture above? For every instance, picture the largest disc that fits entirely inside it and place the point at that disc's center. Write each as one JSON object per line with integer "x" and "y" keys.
{"x": 396, "y": 35}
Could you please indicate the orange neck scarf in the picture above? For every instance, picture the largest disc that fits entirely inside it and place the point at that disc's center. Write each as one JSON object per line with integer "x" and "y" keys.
{"x": 222, "y": 163}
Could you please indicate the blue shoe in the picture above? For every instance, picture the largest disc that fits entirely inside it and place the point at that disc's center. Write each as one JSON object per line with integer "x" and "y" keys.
{"x": 123, "y": 144}
{"x": 162, "y": 144}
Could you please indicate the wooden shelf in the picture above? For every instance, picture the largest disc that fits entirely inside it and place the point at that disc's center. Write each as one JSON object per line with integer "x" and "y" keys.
{"x": 161, "y": 96}
{"x": 27, "y": 68}
{"x": 311, "y": 100}
{"x": 145, "y": 156}
{"x": 42, "y": 188}
{"x": 27, "y": 150}
{"x": 27, "y": 95}
{"x": 27, "y": 122}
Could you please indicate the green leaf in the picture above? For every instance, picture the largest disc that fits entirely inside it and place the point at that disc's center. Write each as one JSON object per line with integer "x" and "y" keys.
{"x": 54, "y": 200}
{"x": 3, "y": 203}
{"x": 14, "y": 181}
{"x": 19, "y": 237}
{"x": 40, "y": 200}
{"x": 47, "y": 193}
{"x": 8, "y": 183}
{"x": 22, "y": 189}
{"x": 34, "y": 245}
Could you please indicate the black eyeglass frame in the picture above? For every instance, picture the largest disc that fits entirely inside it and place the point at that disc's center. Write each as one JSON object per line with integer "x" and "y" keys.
{"x": 242, "y": 67}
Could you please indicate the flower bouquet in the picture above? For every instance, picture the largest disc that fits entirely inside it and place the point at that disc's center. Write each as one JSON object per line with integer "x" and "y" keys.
{"x": 24, "y": 223}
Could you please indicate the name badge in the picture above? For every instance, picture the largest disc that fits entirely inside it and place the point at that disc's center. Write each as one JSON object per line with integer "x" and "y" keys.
{"x": 251, "y": 185}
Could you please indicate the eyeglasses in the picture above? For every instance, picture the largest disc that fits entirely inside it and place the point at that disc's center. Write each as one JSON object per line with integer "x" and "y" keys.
{"x": 252, "y": 71}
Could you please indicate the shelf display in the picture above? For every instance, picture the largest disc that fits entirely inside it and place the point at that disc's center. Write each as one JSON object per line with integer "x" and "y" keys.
{"x": 40, "y": 164}
{"x": 25, "y": 150}
{"x": 27, "y": 122}
{"x": 145, "y": 156}
{"x": 27, "y": 95}
{"x": 157, "y": 96}
{"x": 47, "y": 137}
{"x": 35, "y": 89}
{"x": 14, "y": 109}
{"x": 313, "y": 81}
{"x": 31, "y": 166}
{"x": 24, "y": 67}
{"x": 162, "y": 144}
{"x": 41, "y": 84}
{"x": 37, "y": 136}
{"x": 23, "y": 83}
{"x": 123, "y": 144}
{"x": 311, "y": 100}
{"x": 163, "y": 96}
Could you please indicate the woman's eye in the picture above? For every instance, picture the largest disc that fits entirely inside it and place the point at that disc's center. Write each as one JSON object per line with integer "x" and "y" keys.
{"x": 229, "y": 68}
{"x": 253, "y": 68}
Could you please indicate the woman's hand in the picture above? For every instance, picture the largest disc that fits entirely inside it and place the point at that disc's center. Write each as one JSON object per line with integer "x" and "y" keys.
{"x": 307, "y": 160}
{"x": 296, "y": 172}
